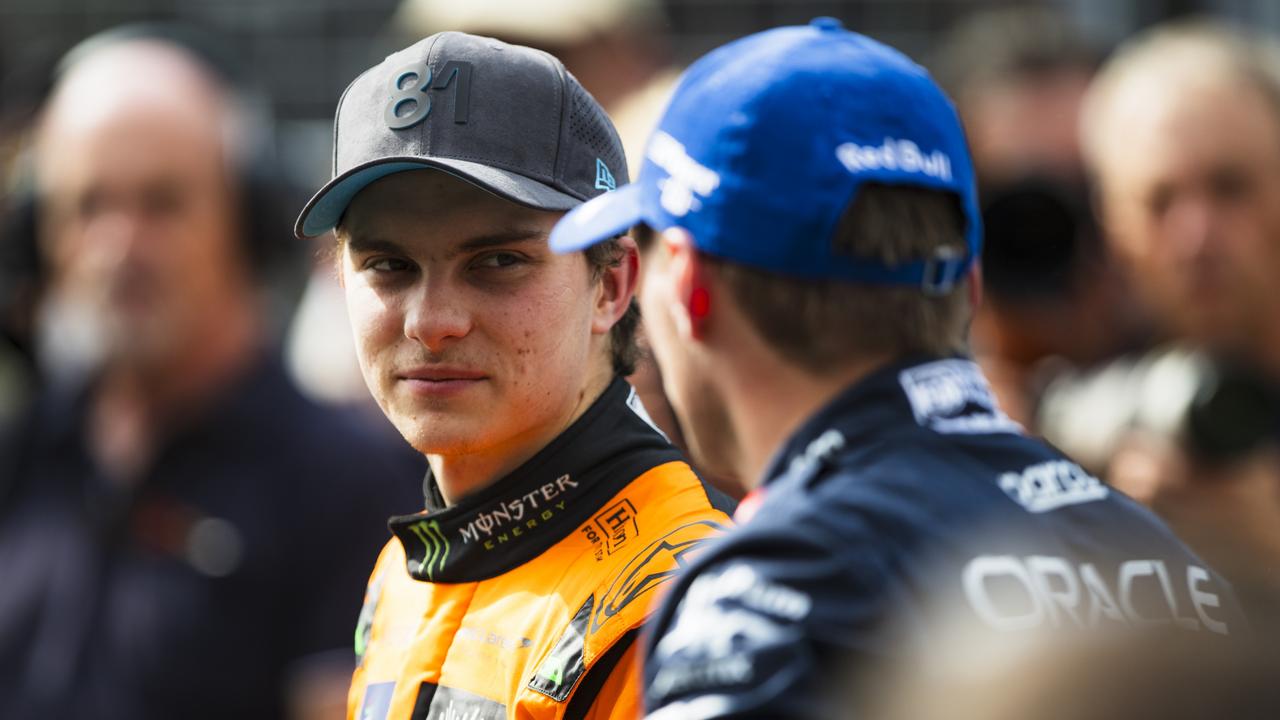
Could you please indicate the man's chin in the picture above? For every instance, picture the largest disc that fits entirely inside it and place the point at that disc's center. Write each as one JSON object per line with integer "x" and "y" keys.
{"x": 448, "y": 436}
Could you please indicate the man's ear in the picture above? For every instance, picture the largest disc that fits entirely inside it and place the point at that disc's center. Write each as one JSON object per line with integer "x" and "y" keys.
{"x": 688, "y": 272}
{"x": 617, "y": 288}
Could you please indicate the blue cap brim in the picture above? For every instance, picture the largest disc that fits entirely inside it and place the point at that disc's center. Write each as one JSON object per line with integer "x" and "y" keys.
{"x": 323, "y": 212}
{"x": 601, "y": 218}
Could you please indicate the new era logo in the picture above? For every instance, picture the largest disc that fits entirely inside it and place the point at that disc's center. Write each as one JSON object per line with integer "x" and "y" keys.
{"x": 604, "y": 178}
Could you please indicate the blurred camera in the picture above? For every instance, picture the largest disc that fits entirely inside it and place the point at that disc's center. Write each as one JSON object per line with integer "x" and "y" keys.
{"x": 1215, "y": 409}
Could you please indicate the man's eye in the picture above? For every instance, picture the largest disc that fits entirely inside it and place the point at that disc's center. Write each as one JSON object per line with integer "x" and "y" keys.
{"x": 386, "y": 264}
{"x": 499, "y": 260}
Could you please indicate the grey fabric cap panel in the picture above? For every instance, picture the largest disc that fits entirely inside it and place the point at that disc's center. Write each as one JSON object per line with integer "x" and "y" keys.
{"x": 506, "y": 118}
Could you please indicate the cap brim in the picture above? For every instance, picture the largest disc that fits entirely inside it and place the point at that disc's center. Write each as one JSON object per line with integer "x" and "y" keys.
{"x": 325, "y": 209}
{"x": 600, "y": 218}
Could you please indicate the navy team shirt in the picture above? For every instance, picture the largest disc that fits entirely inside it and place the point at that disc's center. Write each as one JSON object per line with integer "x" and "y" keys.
{"x": 910, "y": 490}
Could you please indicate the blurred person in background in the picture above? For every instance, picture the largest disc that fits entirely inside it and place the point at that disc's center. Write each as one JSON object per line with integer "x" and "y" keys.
{"x": 1181, "y": 129}
{"x": 808, "y": 283}
{"x": 1053, "y": 297}
{"x": 181, "y": 533}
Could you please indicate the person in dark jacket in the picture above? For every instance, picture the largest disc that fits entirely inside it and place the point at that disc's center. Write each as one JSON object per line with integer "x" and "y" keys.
{"x": 808, "y": 225}
{"x": 182, "y": 533}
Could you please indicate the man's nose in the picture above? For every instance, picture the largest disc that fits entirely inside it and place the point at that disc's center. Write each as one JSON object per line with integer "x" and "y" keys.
{"x": 437, "y": 314}
{"x": 109, "y": 239}
{"x": 1193, "y": 224}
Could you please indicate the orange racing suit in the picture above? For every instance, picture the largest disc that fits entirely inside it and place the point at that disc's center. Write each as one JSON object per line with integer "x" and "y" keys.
{"x": 524, "y": 599}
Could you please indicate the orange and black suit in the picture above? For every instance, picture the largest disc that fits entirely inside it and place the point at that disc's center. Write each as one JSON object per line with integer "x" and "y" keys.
{"x": 524, "y": 600}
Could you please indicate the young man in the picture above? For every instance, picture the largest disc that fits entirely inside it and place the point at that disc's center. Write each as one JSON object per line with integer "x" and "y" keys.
{"x": 554, "y": 508}
{"x": 807, "y": 295}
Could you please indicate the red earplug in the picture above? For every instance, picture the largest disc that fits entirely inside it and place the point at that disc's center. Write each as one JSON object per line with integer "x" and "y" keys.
{"x": 699, "y": 303}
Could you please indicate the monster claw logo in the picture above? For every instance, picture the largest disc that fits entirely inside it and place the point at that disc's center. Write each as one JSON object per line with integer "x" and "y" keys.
{"x": 652, "y": 567}
{"x": 435, "y": 548}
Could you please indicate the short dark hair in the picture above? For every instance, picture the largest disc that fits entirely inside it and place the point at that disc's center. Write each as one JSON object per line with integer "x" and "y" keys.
{"x": 821, "y": 325}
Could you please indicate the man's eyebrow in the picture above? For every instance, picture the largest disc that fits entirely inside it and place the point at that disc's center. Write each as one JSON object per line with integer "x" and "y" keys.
{"x": 368, "y": 245}
{"x": 504, "y": 237}
{"x": 362, "y": 245}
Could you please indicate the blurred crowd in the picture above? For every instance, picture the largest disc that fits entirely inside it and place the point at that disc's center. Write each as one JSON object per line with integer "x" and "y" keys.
{"x": 194, "y": 482}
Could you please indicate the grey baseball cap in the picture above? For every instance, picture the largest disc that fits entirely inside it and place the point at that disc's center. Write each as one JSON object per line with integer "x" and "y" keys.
{"x": 506, "y": 118}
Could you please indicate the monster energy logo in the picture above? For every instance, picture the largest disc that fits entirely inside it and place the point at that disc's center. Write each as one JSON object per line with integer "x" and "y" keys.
{"x": 435, "y": 545}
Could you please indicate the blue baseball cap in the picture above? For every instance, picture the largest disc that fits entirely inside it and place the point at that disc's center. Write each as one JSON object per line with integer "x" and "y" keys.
{"x": 766, "y": 141}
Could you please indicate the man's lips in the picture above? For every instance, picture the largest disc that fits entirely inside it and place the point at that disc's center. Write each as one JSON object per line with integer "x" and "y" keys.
{"x": 440, "y": 381}
{"x": 440, "y": 373}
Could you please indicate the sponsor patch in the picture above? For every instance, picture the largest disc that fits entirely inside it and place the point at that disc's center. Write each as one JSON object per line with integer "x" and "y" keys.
{"x": 610, "y": 530}
{"x": 447, "y": 703}
{"x": 729, "y": 623}
{"x": 1012, "y": 593}
{"x": 1050, "y": 485}
{"x": 511, "y": 518}
{"x": 377, "y": 701}
{"x": 653, "y": 566}
{"x": 564, "y": 665}
{"x": 488, "y": 637}
{"x": 952, "y": 396}
{"x": 689, "y": 180}
{"x": 894, "y": 154}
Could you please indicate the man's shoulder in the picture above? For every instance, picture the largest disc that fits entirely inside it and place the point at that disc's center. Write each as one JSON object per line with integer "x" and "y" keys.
{"x": 615, "y": 567}
{"x": 917, "y": 480}
{"x": 762, "y": 605}
{"x": 631, "y": 547}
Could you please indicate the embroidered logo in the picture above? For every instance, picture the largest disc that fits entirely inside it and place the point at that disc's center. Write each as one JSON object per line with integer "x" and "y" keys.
{"x": 612, "y": 528}
{"x": 1053, "y": 484}
{"x": 604, "y": 178}
{"x": 689, "y": 179}
{"x": 895, "y": 154}
{"x": 952, "y": 396}
{"x": 517, "y": 515}
{"x": 435, "y": 548}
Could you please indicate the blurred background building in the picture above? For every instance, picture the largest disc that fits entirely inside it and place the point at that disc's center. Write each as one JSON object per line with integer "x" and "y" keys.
{"x": 308, "y": 50}
{"x": 1017, "y": 70}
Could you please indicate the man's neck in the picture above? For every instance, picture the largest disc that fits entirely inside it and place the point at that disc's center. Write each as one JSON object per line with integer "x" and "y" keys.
{"x": 773, "y": 399}
{"x": 458, "y": 476}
